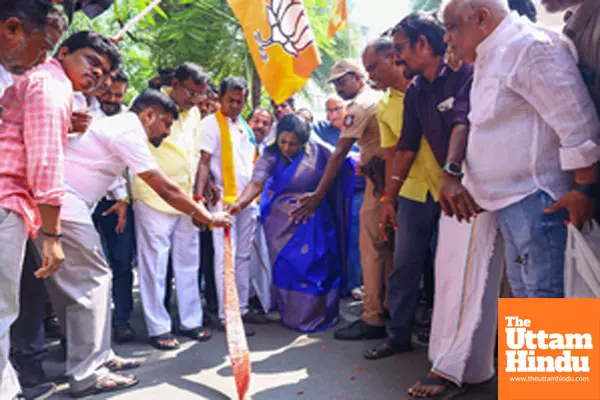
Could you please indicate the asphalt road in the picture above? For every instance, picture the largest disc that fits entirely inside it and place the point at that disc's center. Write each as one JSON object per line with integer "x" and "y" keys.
{"x": 285, "y": 365}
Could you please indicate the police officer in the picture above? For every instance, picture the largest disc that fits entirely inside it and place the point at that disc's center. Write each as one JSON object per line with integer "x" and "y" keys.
{"x": 360, "y": 124}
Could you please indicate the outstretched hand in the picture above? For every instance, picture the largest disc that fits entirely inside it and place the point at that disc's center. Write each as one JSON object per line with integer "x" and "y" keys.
{"x": 233, "y": 209}
{"x": 307, "y": 204}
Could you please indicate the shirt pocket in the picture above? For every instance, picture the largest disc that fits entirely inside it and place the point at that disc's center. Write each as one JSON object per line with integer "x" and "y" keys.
{"x": 484, "y": 100}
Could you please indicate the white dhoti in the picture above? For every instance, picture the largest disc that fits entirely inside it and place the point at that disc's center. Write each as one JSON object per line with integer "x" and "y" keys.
{"x": 242, "y": 234}
{"x": 260, "y": 268}
{"x": 468, "y": 271}
{"x": 159, "y": 235}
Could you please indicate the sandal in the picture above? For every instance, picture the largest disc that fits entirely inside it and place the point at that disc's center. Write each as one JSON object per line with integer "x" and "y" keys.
{"x": 109, "y": 383}
{"x": 446, "y": 389}
{"x": 166, "y": 341}
{"x": 122, "y": 364}
{"x": 200, "y": 334}
{"x": 387, "y": 349}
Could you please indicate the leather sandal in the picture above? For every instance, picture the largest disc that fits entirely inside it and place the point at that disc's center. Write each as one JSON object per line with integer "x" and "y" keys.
{"x": 166, "y": 341}
{"x": 386, "y": 349}
{"x": 109, "y": 383}
{"x": 122, "y": 364}
{"x": 199, "y": 334}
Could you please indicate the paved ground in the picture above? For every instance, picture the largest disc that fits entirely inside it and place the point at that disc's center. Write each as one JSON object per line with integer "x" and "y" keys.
{"x": 285, "y": 365}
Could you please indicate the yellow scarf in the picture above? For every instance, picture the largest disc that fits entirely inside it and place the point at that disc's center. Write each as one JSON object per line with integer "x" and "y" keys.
{"x": 227, "y": 163}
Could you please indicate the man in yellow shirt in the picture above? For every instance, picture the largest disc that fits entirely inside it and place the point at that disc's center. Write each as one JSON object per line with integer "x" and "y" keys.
{"x": 162, "y": 231}
{"x": 381, "y": 62}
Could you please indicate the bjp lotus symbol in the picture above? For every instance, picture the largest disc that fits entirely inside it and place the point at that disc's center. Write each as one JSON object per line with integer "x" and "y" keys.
{"x": 289, "y": 28}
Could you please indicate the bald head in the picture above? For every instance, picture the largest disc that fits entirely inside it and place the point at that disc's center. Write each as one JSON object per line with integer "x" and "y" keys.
{"x": 383, "y": 45}
{"x": 469, "y": 22}
{"x": 336, "y": 111}
{"x": 495, "y": 6}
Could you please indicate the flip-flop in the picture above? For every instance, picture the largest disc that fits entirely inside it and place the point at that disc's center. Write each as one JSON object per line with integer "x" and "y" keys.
{"x": 122, "y": 364}
{"x": 155, "y": 341}
{"x": 109, "y": 383}
{"x": 450, "y": 390}
{"x": 387, "y": 349}
{"x": 200, "y": 334}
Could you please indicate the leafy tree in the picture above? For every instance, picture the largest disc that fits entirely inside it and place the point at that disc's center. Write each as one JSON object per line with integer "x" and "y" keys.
{"x": 203, "y": 31}
{"x": 425, "y": 5}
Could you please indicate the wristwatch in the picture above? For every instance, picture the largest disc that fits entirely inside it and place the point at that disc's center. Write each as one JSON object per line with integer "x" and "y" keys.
{"x": 590, "y": 190}
{"x": 453, "y": 169}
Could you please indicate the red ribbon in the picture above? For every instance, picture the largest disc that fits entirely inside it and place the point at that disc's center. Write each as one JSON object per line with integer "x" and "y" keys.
{"x": 236, "y": 336}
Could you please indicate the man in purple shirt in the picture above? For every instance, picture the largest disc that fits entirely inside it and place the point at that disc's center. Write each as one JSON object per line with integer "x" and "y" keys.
{"x": 436, "y": 105}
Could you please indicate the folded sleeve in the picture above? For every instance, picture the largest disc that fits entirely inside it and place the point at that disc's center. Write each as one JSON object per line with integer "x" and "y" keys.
{"x": 550, "y": 81}
{"x": 47, "y": 109}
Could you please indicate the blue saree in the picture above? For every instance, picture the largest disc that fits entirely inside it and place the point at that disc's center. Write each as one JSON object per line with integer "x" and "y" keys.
{"x": 308, "y": 260}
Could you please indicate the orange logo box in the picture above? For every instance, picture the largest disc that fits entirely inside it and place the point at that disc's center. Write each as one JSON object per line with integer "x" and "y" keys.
{"x": 549, "y": 349}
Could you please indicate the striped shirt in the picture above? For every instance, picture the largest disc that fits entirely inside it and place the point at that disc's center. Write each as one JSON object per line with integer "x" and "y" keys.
{"x": 36, "y": 112}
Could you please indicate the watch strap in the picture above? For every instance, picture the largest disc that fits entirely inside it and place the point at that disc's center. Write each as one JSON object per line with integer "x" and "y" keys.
{"x": 590, "y": 190}
{"x": 453, "y": 169}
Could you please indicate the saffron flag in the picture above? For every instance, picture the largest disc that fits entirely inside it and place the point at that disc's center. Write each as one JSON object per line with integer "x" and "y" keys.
{"x": 236, "y": 336}
{"x": 339, "y": 18}
{"x": 281, "y": 42}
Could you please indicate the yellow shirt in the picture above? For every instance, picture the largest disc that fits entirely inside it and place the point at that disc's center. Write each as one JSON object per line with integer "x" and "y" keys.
{"x": 178, "y": 157}
{"x": 425, "y": 174}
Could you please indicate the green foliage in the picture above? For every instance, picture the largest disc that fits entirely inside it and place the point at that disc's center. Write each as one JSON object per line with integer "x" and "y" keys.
{"x": 202, "y": 31}
{"x": 425, "y": 5}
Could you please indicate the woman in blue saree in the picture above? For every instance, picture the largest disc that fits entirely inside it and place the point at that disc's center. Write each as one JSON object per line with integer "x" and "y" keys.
{"x": 308, "y": 260}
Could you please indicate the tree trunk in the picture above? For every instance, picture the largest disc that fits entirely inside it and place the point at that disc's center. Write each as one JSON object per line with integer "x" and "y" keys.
{"x": 256, "y": 88}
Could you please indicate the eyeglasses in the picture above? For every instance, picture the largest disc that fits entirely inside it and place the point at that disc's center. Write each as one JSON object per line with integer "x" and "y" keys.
{"x": 193, "y": 94}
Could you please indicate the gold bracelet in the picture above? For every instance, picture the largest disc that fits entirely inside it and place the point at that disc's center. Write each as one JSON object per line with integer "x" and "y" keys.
{"x": 397, "y": 178}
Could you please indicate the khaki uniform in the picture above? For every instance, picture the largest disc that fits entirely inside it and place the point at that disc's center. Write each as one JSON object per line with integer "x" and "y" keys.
{"x": 583, "y": 28}
{"x": 376, "y": 256}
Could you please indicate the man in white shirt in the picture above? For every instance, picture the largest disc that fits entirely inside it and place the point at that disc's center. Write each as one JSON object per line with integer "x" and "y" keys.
{"x": 534, "y": 138}
{"x": 233, "y": 96}
{"x": 260, "y": 121}
{"x": 81, "y": 289}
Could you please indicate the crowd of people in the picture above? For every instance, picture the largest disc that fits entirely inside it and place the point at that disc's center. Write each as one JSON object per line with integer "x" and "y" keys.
{"x": 447, "y": 167}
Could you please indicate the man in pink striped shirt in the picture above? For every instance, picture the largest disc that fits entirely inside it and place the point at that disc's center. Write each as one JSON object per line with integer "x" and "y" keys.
{"x": 36, "y": 113}
{"x": 29, "y": 29}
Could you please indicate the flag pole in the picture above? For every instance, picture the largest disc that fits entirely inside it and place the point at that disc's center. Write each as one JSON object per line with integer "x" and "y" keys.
{"x": 135, "y": 20}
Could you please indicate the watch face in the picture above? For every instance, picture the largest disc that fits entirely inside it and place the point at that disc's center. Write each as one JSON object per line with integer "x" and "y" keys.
{"x": 454, "y": 168}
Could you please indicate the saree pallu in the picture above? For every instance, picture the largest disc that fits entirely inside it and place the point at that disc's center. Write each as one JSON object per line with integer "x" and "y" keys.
{"x": 308, "y": 260}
